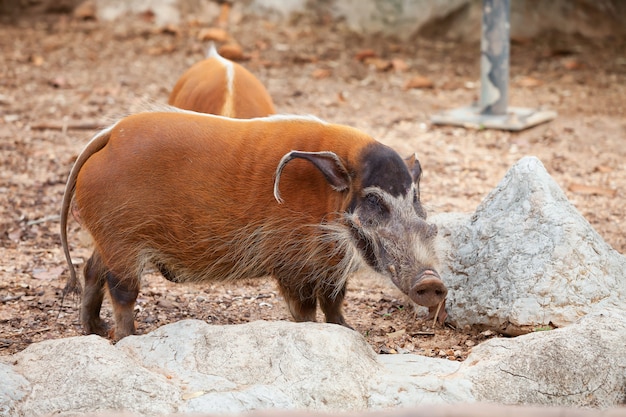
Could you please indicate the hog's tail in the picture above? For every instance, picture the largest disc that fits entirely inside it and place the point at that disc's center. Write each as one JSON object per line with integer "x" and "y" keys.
{"x": 95, "y": 144}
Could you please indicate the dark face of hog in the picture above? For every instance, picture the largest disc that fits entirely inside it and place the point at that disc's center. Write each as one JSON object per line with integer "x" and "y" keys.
{"x": 387, "y": 223}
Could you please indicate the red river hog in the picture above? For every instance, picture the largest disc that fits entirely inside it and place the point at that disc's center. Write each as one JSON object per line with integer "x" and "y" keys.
{"x": 207, "y": 198}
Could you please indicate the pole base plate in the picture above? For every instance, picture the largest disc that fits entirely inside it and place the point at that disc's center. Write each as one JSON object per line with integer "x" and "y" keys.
{"x": 516, "y": 118}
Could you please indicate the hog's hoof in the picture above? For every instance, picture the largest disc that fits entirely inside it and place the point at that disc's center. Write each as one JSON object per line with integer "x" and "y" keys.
{"x": 98, "y": 327}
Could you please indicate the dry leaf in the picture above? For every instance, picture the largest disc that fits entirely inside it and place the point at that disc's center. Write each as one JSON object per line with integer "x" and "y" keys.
{"x": 572, "y": 64}
{"x": 304, "y": 59}
{"x": 15, "y": 234}
{"x": 86, "y": 10}
{"x": 603, "y": 169}
{"x": 194, "y": 22}
{"x": 451, "y": 85}
{"x": 48, "y": 274}
{"x": 529, "y": 82}
{"x": 399, "y": 65}
{"x": 592, "y": 190}
{"x": 58, "y": 82}
{"x": 419, "y": 81}
{"x": 364, "y": 54}
{"x": 232, "y": 51}
{"x": 379, "y": 63}
{"x": 520, "y": 40}
{"x": 161, "y": 50}
{"x": 398, "y": 333}
{"x": 191, "y": 395}
{"x": 261, "y": 45}
{"x": 213, "y": 34}
{"x": 321, "y": 73}
{"x": 37, "y": 60}
{"x": 147, "y": 16}
{"x": 171, "y": 29}
{"x": 165, "y": 303}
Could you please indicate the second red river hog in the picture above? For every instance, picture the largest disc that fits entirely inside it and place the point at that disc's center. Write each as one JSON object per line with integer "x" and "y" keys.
{"x": 219, "y": 86}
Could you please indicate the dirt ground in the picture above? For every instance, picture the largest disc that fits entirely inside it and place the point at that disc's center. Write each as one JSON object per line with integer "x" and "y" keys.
{"x": 62, "y": 78}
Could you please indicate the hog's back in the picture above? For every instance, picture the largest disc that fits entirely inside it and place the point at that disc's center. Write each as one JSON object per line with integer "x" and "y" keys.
{"x": 192, "y": 188}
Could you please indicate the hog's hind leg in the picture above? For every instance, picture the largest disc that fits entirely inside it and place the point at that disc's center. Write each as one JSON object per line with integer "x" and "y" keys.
{"x": 123, "y": 291}
{"x": 95, "y": 276}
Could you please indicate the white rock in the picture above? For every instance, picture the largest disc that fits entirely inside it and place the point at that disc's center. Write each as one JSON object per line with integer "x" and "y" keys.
{"x": 526, "y": 257}
{"x": 13, "y": 388}
{"x": 191, "y": 366}
{"x": 87, "y": 373}
{"x": 291, "y": 365}
{"x": 582, "y": 365}
{"x": 412, "y": 380}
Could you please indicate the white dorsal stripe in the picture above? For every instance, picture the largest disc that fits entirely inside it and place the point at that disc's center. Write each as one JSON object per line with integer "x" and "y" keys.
{"x": 229, "y": 68}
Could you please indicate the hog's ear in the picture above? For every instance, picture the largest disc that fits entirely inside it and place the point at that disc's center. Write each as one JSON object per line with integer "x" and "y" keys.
{"x": 328, "y": 163}
{"x": 413, "y": 164}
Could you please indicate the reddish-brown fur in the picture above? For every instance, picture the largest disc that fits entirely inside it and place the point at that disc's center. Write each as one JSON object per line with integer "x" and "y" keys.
{"x": 216, "y": 85}
{"x": 193, "y": 194}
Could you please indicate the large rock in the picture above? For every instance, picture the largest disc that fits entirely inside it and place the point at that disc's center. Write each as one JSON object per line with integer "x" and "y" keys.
{"x": 85, "y": 374}
{"x": 527, "y": 258}
{"x": 260, "y": 365}
{"x": 191, "y": 366}
{"x": 13, "y": 389}
{"x": 582, "y": 365}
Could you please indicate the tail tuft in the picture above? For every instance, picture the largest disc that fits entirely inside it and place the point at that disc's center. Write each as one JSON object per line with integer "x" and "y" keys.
{"x": 212, "y": 51}
{"x": 72, "y": 286}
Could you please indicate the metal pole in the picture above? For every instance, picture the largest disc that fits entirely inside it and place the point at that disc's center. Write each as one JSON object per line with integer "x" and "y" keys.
{"x": 494, "y": 62}
{"x": 492, "y": 109}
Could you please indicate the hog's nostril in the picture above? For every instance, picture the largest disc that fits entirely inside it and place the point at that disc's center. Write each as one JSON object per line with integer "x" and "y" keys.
{"x": 428, "y": 290}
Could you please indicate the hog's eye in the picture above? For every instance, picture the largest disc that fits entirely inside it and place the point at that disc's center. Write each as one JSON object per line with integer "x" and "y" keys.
{"x": 375, "y": 205}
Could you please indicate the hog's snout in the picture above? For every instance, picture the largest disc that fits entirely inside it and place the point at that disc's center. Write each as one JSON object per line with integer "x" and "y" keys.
{"x": 428, "y": 290}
